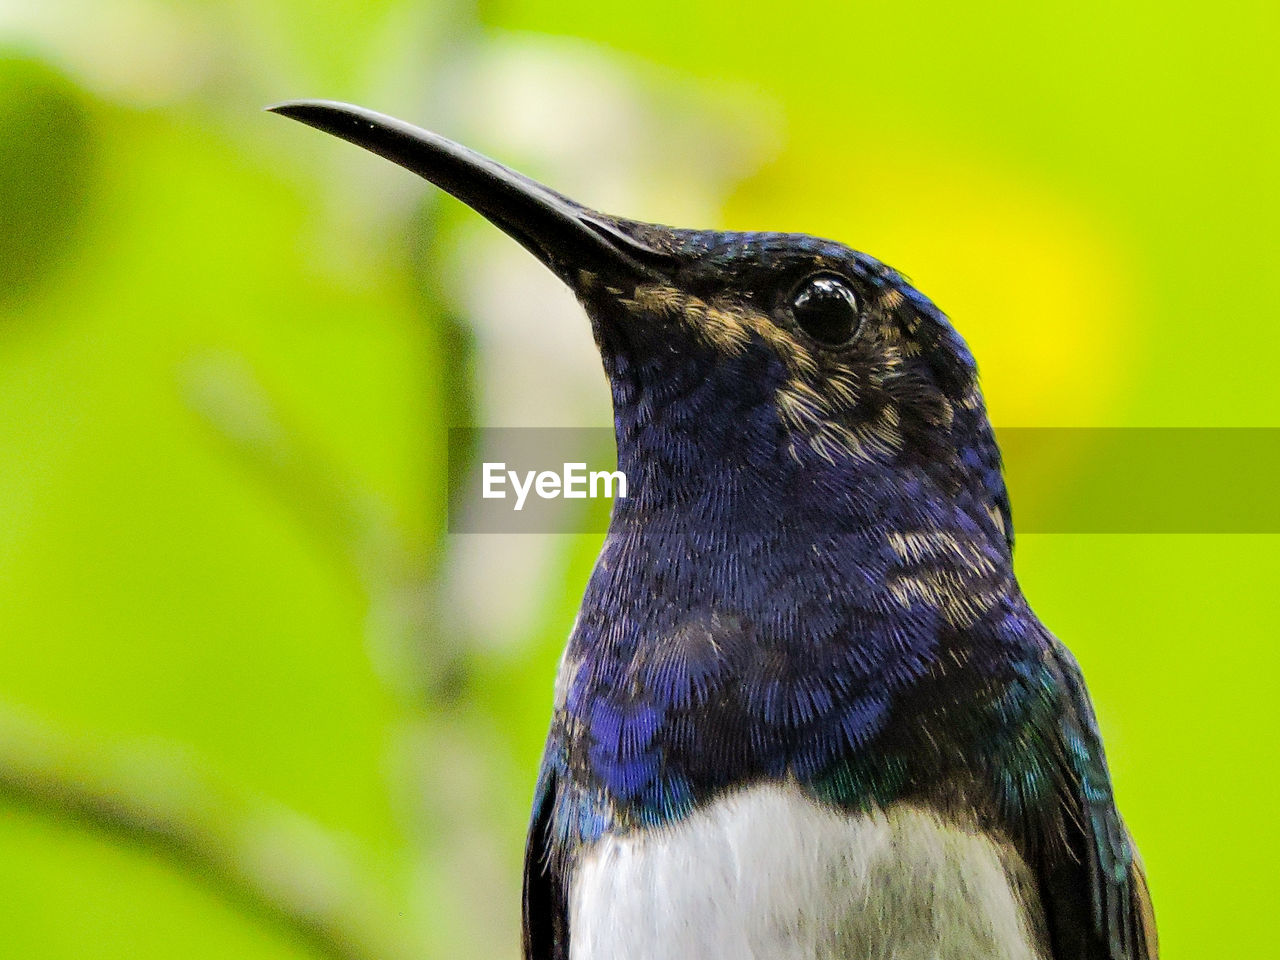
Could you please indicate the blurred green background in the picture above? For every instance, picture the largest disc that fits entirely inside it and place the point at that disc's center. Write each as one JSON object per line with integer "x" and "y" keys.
{"x": 255, "y": 702}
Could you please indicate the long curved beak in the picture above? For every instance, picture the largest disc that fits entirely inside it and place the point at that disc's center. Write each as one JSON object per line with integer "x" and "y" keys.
{"x": 564, "y": 235}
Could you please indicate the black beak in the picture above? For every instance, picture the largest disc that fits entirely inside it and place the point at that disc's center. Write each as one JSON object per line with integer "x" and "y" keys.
{"x": 566, "y": 236}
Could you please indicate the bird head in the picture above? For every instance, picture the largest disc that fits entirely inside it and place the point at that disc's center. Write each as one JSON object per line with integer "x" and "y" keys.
{"x": 745, "y": 368}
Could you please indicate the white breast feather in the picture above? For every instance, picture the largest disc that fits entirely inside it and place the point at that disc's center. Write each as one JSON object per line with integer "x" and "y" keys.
{"x": 768, "y": 874}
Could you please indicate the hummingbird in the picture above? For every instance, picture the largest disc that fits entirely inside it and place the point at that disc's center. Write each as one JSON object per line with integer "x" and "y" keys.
{"x": 805, "y": 711}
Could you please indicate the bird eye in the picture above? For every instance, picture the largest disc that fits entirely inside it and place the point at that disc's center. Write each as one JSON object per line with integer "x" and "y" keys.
{"x": 826, "y": 309}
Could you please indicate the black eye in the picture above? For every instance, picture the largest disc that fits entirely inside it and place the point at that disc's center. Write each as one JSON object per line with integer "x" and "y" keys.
{"x": 826, "y": 309}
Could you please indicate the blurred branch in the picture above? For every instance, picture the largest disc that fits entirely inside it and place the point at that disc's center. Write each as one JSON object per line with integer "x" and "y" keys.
{"x": 358, "y": 530}
{"x": 417, "y": 649}
{"x": 263, "y": 859}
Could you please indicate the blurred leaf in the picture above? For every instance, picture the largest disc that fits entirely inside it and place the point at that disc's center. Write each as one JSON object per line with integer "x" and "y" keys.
{"x": 47, "y": 169}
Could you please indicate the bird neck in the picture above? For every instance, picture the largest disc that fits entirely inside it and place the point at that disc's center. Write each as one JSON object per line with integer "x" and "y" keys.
{"x": 730, "y": 510}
